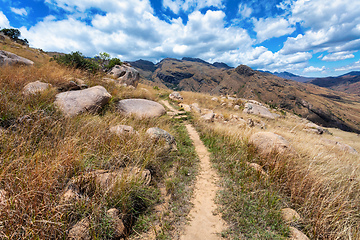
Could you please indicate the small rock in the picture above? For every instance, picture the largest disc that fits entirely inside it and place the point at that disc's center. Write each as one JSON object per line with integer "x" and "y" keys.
{"x": 236, "y": 107}
{"x": 70, "y": 86}
{"x": 141, "y": 108}
{"x": 175, "y": 96}
{"x": 295, "y": 234}
{"x": 75, "y": 102}
{"x": 215, "y": 99}
{"x": 251, "y": 108}
{"x": 69, "y": 196}
{"x": 121, "y": 130}
{"x": 250, "y": 122}
{"x": 257, "y": 168}
{"x": 117, "y": 223}
{"x": 267, "y": 142}
{"x": 157, "y": 134}
{"x": 312, "y": 127}
{"x": 186, "y": 107}
{"x": 80, "y": 231}
{"x": 195, "y": 108}
{"x": 3, "y": 195}
{"x": 290, "y": 215}
{"x": 209, "y": 117}
{"x": 35, "y": 87}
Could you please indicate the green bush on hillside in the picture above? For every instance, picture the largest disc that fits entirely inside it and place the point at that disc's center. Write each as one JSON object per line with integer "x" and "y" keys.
{"x": 77, "y": 60}
{"x": 14, "y": 34}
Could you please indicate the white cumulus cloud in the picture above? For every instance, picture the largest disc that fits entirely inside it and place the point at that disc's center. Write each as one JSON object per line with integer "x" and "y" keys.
{"x": 271, "y": 27}
{"x": 244, "y": 11}
{"x": 314, "y": 69}
{"x": 19, "y": 11}
{"x": 350, "y": 67}
{"x": 338, "y": 56}
{"x": 191, "y": 5}
{"x": 4, "y": 22}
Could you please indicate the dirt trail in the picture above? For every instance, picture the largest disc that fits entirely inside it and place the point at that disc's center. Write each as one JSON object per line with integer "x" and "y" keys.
{"x": 204, "y": 224}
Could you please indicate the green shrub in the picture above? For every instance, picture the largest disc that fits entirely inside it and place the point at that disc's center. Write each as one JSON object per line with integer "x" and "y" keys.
{"x": 113, "y": 62}
{"x": 77, "y": 60}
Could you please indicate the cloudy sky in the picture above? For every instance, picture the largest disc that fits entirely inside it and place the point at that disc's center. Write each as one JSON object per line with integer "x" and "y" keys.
{"x": 305, "y": 37}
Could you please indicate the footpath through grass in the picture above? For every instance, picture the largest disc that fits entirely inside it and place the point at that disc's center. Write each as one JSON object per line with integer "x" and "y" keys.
{"x": 248, "y": 201}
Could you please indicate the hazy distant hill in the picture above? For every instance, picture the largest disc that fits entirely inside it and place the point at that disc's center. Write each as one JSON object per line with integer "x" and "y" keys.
{"x": 291, "y": 76}
{"x": 321, "y": 105}
{"x": 349, "y": 82}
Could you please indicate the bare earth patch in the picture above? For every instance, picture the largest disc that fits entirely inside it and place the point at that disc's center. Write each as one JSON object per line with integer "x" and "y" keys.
{"x": 204, "y": 223}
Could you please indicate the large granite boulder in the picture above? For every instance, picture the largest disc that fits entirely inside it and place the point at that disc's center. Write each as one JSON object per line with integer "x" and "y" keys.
{"x": 141, "y": 108}
{"x": 35, "y": 87}
{"x": 126, "y": 75}
{"x": 88, "y": 100}
{"x": 158, "y": 134}
{"x": 268, "y": 142}
{"x": 8, "y": 58}
{"x": 262, "y": 111}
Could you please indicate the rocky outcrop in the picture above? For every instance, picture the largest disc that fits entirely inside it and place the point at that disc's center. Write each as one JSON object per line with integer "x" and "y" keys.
{"x": 8, "y": 58}
{"x": 88, "y": 100}
{"x": 195, "y": 108}
{"x": 126, "y": 75}
{"x": 262, "y": 111}
{"x": 268, "y": 142}
{"x": 141, "y": 108}
{"x": 175, "y": 96}
{"x": 160, "y": 134}
{"x": 35, "y": 87}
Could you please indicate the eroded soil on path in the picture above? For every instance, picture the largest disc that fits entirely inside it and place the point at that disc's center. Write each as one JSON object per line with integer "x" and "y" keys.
{"x": 204, "y": 224}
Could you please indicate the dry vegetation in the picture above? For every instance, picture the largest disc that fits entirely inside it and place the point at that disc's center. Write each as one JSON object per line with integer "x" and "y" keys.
{"x": 321, "y": 181}
{"x": 40, "y": 151}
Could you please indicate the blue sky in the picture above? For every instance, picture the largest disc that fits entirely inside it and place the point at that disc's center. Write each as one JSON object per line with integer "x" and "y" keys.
{"x": 305, "y": 37}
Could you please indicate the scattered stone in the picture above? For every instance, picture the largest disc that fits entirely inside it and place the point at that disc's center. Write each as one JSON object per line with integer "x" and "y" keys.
{"x": 223, "y": 104}
{"x": 157, "y": 134}
{"x": 250, "y": 123}
{"x": 116, "y": 222}
{"x": 209, "y": 117}
{"x": 171, "y": 114}
{"x": 184, "y": 117}
{"x": 126, "y": 75}
{"x": 8, "y": 58}
{"x": 175, "y": 96}
{"x": 312, "y": 127}
{"x": 290, "y": 215}
{"x": 295, "y": 234}
{"x": 75, "y": 102}
{"x": 251, "y": 108}
{"x": 341, "y": 146}
{"x": 106, "y": 181}
{"x": 231, "y": 98}
{"x": 219, "y": 117}
{"x": 186, "y": 107}
{"x": 69, "y": 196}
{"x": 257, "y": 168}
{"x": 121, "y": 130}
{"x": 141, "y": 108}
{"x": 80, "y": 231}
{"x": 35, "y": 87}
{"x": 267, "y": 142}
{"x": 236, "y": 107}
{"x": 195, "y": 108}
{"x": 215, "y": 99}
{"x": 71, "y": 86}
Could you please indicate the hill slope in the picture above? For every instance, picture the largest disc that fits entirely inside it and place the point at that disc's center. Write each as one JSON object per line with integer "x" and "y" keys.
{"x": 349, "y": 83}
{"x": 320, "y": 105}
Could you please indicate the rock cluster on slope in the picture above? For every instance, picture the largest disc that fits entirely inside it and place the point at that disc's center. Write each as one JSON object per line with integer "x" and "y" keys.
{"x": 8, "y": 58}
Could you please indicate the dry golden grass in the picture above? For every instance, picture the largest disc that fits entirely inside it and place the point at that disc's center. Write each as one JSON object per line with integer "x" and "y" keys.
{"x": 321, "y": 181}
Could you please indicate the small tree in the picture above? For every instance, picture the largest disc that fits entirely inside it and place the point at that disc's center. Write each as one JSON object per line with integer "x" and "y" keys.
{"x": 11, "y": 32}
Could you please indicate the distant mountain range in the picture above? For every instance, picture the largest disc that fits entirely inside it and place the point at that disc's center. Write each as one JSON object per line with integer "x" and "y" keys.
{"x": 323, "y": 106}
